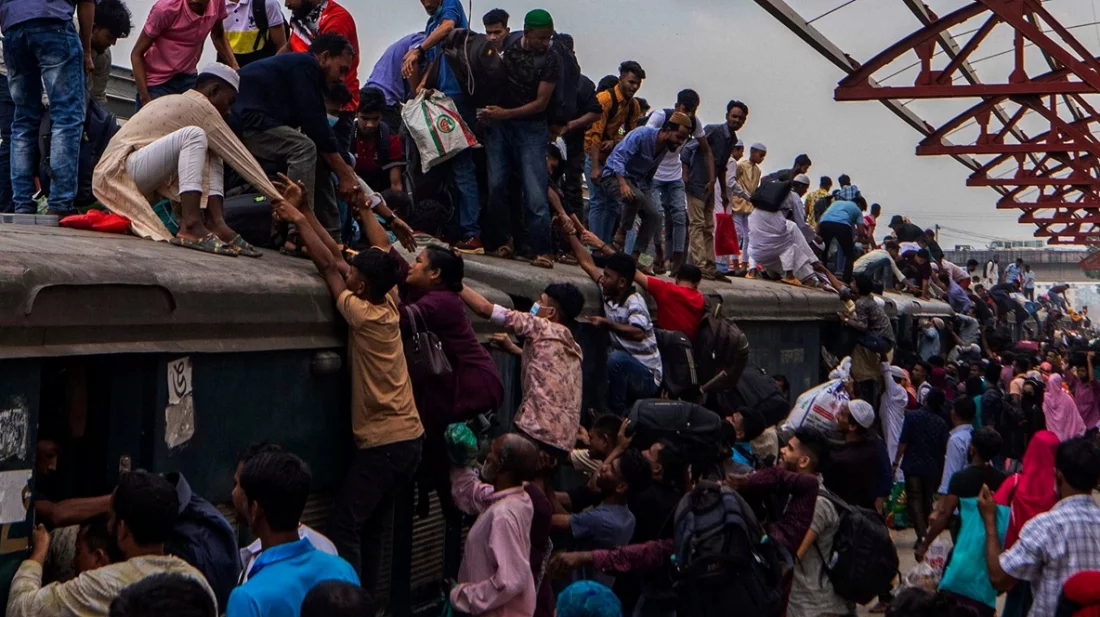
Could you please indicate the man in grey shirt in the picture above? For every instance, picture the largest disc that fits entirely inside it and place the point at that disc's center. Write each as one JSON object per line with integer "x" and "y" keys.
{"x": 721, "y": 138}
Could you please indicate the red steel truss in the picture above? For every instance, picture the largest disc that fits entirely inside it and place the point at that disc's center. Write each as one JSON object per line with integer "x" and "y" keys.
{"x": 1029, "y": 135}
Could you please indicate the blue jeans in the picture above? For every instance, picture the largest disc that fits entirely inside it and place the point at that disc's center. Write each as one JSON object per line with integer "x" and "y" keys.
{"x": 627, "y": 381}
{"x": 7, "y": 115}
{"x": 520, "y": 143}
{"x": 465, "y": 176}
{"x": 602, "y": 212}
{"x": 671, "y": 197}
{"x": 177, "y": 85}
{"x": 36, "y": 52}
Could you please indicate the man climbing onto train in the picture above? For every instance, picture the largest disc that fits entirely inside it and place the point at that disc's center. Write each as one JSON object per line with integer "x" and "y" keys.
{"x": 175, "y": 148}
{"x": 384, "y": 418}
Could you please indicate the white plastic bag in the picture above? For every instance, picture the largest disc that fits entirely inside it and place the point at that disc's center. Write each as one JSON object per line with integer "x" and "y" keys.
{"x": 817, "y": 407}
{"x": 922, "y": 576}
{"x": 937, "y": 554}
{"x": 436, "y": 127}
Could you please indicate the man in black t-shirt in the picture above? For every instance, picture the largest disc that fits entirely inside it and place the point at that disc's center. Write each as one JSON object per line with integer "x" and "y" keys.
{"x": 515, "y": 139}
{"x": 985, "y": 443}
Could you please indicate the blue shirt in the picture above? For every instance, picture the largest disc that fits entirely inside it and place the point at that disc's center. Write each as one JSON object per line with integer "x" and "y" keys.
{"x": 845, "y": 212}
{"x": 15, "y": 12}
{"x": 603, "y": 527}
{"x": 282, "y": 576}
{"x": 957, "y": 445}
{"x": 386, "y": 75}
{"x": 450, "y": 9}
{"x": 635, "y": 157}
{"x": 929, "y": 343}
{"x": 925, "y": 437}
{"x": 848, "y": 193}
{"x": 1012, "y": 273}
{"x": 956, "y": 296}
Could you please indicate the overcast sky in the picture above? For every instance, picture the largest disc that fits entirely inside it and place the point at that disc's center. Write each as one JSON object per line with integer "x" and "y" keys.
{"x": 733, "y": 49}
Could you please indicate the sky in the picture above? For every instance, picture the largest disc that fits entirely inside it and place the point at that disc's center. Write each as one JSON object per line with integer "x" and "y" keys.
{"x": 733, "y": 49}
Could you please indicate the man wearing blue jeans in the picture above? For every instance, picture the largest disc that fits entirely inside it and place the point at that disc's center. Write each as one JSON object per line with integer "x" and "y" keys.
{"x": 444, "y": 16}
{"x": 516, "y": 138}
{"x": 668, "y": 191}
{"x": 41, "y": 46}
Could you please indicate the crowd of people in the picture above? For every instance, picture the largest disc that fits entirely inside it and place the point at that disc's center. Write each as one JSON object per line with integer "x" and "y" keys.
{"x": 989, "y": 425}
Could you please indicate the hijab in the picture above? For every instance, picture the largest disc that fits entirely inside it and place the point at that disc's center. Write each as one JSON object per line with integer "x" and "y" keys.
{"x": 1060, "y": 410}
{"x": 1032, "y": 491}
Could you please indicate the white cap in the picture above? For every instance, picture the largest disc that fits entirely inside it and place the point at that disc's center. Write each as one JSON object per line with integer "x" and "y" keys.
{"x": 759, "y": 146}
{"x": 223, "y": 72}
{"x": 898, "y": 372}
{"x": 802, "y": 179}
{"x": 739, "y": 144}
{"x": 862, "y": 413}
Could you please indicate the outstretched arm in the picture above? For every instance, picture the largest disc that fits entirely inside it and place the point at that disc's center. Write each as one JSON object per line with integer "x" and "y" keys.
{"x": 296, "y": 195}
{"x": 584, "y": 260}
{"x": 477, "y": 302}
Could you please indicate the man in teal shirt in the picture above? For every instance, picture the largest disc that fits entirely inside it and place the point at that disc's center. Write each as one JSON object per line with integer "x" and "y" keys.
{"x": 841, "y": 222}
{"x": 272, "y": 490}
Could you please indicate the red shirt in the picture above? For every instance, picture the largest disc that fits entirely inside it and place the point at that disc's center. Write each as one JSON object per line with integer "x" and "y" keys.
{"x": 368, "y": 165}
{"x": 678, "y": 308}
{"x": 334, "y": 18}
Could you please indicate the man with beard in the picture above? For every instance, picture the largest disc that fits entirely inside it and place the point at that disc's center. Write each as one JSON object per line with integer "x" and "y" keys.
{"x": 310, "y": 19}
{"x": 166, "y": 56}
{"x": 141, "y": 517}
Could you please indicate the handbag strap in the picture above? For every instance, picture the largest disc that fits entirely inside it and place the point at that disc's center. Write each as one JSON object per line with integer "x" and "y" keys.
{"x": 415, "y": 311}
{"x": 412, "y": 311}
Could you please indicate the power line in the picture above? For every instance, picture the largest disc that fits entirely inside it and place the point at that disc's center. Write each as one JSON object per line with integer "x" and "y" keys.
{"x": 830, "y": 12}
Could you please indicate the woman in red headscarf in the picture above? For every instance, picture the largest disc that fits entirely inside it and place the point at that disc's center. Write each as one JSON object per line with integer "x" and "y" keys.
{"x": 1028, "y": 494}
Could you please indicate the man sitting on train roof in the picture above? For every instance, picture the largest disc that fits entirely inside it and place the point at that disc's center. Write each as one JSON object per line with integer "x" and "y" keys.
{"x": 174, "y": 147}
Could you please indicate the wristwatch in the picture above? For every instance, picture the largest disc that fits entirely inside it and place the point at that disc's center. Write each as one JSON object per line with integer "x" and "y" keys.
{"x": 389, "y": 221}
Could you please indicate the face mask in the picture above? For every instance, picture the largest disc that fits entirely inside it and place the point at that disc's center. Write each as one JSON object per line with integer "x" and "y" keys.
{"x": 535, "y": 309}
{"x": 332, "y": 120}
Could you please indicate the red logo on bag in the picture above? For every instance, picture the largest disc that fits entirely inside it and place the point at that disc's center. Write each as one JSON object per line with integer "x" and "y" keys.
{"x": 445, "y": 124}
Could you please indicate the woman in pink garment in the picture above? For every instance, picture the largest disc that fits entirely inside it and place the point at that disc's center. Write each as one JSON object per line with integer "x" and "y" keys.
{"x": 1060, "y": 411}
{"x": 1086, "y": 391}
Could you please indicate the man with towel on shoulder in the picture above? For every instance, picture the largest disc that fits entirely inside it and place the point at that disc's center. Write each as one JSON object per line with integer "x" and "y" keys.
{"x": 174, "y": 148}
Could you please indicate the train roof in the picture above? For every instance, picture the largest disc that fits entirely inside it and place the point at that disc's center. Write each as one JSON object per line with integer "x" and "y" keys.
{"x": 742, "y": 299}
{"x": 900, "y": 304}
{"x": 70, "y": 292}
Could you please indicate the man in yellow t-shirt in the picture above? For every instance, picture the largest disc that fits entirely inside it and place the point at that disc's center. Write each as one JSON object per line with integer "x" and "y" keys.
{"x": 822, "y": 191}
{"x": 384, "y": 418}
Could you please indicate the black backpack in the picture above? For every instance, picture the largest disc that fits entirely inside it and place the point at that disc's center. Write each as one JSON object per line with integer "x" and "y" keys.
{"x": 725, "y": 563}
{"x": 864, "y": 560}
{"x": 563, "y": 103}
{"x": 821, "y": 205}
{"x": 719, "y": 345}
{"x": 769, "y": 196}
{"x": 695, "y": 431}
{"x": 756, "y": 390}
{"x": 100, "y": 126}
{"x": 477, "y": 66}
{"x": 680, "y": 378}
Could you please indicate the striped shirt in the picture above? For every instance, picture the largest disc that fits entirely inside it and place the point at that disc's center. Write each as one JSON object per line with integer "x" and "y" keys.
{"x": 635, "y": 312}
{"x": 1053, "y": 547}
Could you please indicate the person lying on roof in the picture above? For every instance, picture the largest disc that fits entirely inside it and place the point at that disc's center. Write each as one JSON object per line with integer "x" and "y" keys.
{"x": 174, "y": 148}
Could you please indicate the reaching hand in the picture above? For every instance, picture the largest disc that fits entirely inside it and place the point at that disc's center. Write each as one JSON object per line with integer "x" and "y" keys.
{"x": 599, "y": 322}
{"x": 986, "y": 505}
{"x": 408, "y": 64}
{"x": 287, "y": 213}
{"x": 567, "y": 226}
{"x": 625, "y": 436}
{"x": 590, "y": 239}
{"x": 404, "y": 234}
{"x": 737, "y": 481}
{"x": 293, "y": 192}
{"x": 40, "y": 543}
{"x": 492, "y": 112}
{"x": 561, "y": 564}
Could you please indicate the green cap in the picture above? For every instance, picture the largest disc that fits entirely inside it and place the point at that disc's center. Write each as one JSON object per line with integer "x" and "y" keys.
{"x": 538, "y": 18}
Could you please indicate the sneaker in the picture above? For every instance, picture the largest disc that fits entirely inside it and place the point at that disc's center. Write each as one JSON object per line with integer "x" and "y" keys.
{"x": 471, "y": 246}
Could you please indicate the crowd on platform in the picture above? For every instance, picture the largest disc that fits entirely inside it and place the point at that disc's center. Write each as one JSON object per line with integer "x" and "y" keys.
{"x": 673, "y": 494}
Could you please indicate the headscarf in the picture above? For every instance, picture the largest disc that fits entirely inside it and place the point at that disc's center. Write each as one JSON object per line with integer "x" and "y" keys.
{"x": 1032, "y": 491}
{"x": 1081, "y": 595}
{"x": 1060, "y": 410}
{"x": 938, "y": 379}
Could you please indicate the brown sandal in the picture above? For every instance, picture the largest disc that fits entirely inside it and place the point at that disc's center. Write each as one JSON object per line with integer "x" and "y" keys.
{"x": 504, "y": 252}
{"x": 543, "y": 261}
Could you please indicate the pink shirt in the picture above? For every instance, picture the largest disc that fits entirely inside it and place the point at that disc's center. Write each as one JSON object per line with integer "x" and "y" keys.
{"x": 178, "y": 35}
{"x": 495, "y": 577}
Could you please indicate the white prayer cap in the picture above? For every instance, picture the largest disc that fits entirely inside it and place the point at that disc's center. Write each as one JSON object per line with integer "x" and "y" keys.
{"x": 862, "y": 413}
{"x": 739, "y": 144}
{"x": 802, "y": 179}
{"x": 223, "y": 72}
{"x": 759, "y": 146}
